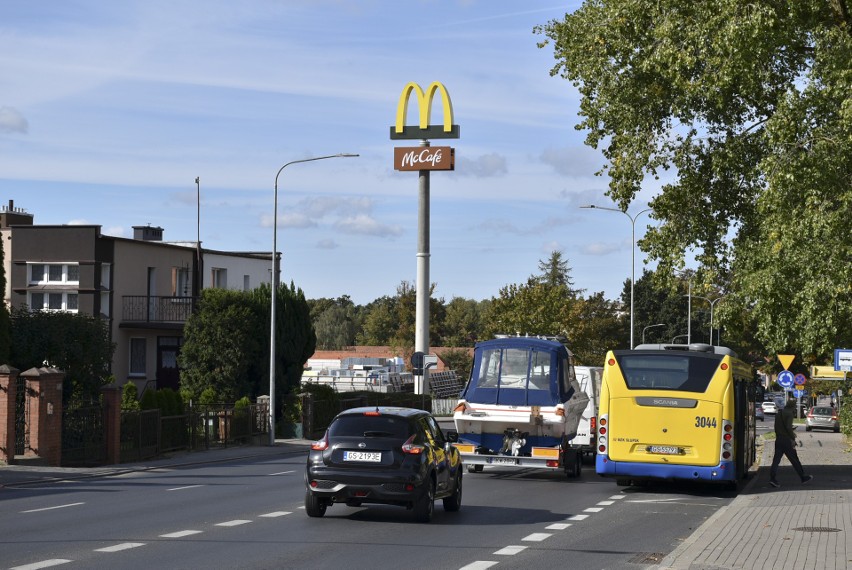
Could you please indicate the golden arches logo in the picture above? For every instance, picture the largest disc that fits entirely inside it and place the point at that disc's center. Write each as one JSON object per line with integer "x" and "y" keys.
{"x": 424, "y": 103}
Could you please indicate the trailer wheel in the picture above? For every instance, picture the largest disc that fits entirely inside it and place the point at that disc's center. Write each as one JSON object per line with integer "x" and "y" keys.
{"x": 573, "y": 461}
{"x": 474, "y": 468}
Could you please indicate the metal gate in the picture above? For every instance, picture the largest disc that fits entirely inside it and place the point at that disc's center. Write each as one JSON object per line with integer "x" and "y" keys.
{"x": 22, "y": 413}
{"x": 83, "y": 437}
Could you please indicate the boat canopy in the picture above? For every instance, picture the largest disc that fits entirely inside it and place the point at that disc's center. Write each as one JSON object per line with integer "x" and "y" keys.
{"x": 520, "y": 371}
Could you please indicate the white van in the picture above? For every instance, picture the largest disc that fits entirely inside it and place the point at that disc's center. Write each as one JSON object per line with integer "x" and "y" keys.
{"x": 589, "y": 378}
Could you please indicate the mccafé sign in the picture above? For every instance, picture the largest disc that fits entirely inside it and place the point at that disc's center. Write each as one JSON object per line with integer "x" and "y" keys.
{"x": 424, "y": 158}
{"x": 424, "y": 130}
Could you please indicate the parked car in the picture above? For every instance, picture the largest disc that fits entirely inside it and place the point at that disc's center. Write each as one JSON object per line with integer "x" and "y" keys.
{"x": 758, "y": 413}
{"x": 769, "y": 407}
{"x": 822, "y": 417}
{"x": 384, "y": 455}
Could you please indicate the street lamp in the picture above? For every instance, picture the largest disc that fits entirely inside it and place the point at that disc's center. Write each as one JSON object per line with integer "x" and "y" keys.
{"x": 650, "y": 327}
{"x": 712, "y": 303}
{"x": 632, "y": 254}
{"x": 274, "y": 283}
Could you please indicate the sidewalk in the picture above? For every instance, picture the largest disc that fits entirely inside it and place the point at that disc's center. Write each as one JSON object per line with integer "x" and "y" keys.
{"x": 796, "y": 526}
{"x": 24, "y": 474}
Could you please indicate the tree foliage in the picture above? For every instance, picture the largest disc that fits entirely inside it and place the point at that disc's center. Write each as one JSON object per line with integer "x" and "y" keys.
{"x": 77, "y": 344}
{"x": 747, "y": 105}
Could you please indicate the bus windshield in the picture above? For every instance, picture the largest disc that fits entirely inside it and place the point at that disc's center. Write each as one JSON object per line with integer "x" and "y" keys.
{"x": 668, "y": 371}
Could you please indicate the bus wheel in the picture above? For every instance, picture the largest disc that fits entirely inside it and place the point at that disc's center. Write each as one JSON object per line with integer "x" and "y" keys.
{"x": 622, "y": 482}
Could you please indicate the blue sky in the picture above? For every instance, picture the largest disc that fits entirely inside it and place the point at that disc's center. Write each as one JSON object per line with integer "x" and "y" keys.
{"x": 110, "y": 110}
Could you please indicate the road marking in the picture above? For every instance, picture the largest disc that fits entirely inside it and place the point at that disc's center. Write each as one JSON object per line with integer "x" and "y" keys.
{"x": 180, "y": 534}
{"x": 120, "y": 547}
{"x": 277, "y": 514}
{"x": 182, "y": 488}
{"x": 47, "y": 564}
{"x": 282, "y": 473}
{"x": 606, "y": 503}
{"x": 510, "y": 550}
{"x": 236, "y": 522}
{"x": 577, "y": 518}
{"x": 593, "y": 510}
{"x": 51, "y": 508}
{"x": 617, "y": 497}
{"x": 479, "y": 565}
{"x": 537, "y": 537}
{"x": 558, "y": 526}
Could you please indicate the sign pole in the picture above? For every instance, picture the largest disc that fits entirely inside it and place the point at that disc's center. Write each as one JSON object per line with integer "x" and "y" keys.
{"x": 421, "y": 326}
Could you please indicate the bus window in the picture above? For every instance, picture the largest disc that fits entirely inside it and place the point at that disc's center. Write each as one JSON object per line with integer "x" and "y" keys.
{"x": 687, "y": 372}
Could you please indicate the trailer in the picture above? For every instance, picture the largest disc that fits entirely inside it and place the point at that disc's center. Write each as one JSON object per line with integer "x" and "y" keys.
{"x": 522, "y": 406}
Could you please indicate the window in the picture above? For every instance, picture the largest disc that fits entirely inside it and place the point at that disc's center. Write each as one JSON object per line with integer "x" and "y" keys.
{"x": 219, "y": 278}
{"x": 246, "y": 286}
{"x": 181, "y": 286}
{"x": 138, "y": 356}
{"x": 106, "y": 268}
{"x": 54, "y": 273}
{"x": 53, "y": 301}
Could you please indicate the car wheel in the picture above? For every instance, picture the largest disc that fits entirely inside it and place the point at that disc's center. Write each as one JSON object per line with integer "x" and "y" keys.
{"x": 474, "y": 468}
{"x": 453, "y": 502}
{"x": 837, "y": 430}
{"x": 425, "y": 505}
{"x": 808, "y": 428}
{"x": 314, "y": 506}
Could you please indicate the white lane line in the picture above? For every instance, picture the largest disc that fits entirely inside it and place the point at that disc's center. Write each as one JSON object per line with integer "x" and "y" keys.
{"x": 537, "y": 537}
{"x": 52, "y": 508}
{"x": 180, "y": 534}
{"x": 236, "y": 522}
{"x": 182, "y": 488}
{"x": 617, "y": 497}
{"x": 479, "y": 565}
{"x": 510, "y": 550}
{"x": 43, "y": 564}
{"x": 120, "y": 547}
{"x": 593, "y": 510}
{"x": 558, "y": 526}
{"x": 277, "y": 514}
{"x": 282, "y": 473}
{"x": 606, "y": 503}
{"x": 577, "y": 518}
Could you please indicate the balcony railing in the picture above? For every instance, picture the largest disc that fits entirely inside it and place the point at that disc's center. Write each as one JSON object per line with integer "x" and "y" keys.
{"x": 152, "y": 309}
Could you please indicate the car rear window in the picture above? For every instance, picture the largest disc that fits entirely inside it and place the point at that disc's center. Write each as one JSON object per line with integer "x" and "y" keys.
{"x": 822, "y": 411}
{"x": 370, "y": 426}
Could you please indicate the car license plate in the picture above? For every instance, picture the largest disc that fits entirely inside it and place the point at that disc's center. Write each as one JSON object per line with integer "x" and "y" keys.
{"x": 372, "y": 456}
{"x": 503, "y": 461}
{"x": 664, "y": 449}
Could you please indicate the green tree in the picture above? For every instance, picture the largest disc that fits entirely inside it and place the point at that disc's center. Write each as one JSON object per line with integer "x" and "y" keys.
{"x": 460, "y": 360}
{"x": 335, "y": 326}
{"x": 594, "y": 327}
{"x": 77, "y": 344}
{"x": 556, "y": 271}
{"x": 535, "y": 308}
{"x": 463, "y": 322}
{"x": 747, "y": 106}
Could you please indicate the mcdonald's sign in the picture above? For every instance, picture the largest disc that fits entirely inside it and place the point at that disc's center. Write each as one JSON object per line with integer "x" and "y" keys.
{"x": 424, "y": 130}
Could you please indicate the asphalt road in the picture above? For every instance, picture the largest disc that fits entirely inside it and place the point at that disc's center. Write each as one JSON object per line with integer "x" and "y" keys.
{"x": 248, "y": 514}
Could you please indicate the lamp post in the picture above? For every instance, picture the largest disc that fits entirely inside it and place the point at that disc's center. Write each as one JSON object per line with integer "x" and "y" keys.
{"x": 650, "y": 327}
{"x": 274, "y": 287}
{"x": 712, "y": 303}
{"x": 632, "y": 254}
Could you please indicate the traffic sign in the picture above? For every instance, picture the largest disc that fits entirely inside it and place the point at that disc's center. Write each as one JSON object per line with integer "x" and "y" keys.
{"x": 799, "y": 379}
{"x": 785, "y": 379}
{"x": 798, "y": 393}
{"x": 842, "y": 359}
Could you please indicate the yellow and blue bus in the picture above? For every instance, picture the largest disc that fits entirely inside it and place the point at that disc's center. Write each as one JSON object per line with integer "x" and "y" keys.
{"x": 675, "y": 411}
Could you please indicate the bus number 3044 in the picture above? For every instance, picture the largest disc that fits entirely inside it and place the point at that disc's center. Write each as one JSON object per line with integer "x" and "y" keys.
{"x": 705, "y": 422}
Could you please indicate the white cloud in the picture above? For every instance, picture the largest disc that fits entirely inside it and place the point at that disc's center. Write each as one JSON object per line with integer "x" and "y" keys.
{"x": 327, "y": 243}
{"x": 486, "y": 165}
{"x": 366, "y": 225}
{"x": 11, "y": 121}
{"x": 600, "y": 248}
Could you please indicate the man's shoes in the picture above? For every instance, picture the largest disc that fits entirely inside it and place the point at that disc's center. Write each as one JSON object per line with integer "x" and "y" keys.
{"x": 807, "y": 479}
{"x": 775, "y": 484}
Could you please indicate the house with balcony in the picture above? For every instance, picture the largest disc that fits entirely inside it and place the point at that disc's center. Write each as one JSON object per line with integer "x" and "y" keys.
{"x": 144, "y": 288}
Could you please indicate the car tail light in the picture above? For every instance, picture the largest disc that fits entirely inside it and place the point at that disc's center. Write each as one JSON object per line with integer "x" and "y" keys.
{"x": 593, "y": 424}
{"x": 412, "y": 448}
{"x": 320, "y": 444}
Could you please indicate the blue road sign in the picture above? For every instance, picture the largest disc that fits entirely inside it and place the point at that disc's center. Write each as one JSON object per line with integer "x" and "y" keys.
{"x": 799, "y": 380}
{"x": 785, "y": 379}
{"x": 798, "y": 393}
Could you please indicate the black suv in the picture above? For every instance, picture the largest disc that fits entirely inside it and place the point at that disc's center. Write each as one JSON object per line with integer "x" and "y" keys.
{"x": 384, "y": 455}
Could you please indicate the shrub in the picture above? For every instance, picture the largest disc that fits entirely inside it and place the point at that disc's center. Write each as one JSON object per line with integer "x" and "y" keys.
{"x": 130, "y": 397}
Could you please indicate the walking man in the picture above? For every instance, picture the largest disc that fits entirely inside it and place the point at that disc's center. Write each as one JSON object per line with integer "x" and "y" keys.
{"x": 785, "y": 444}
